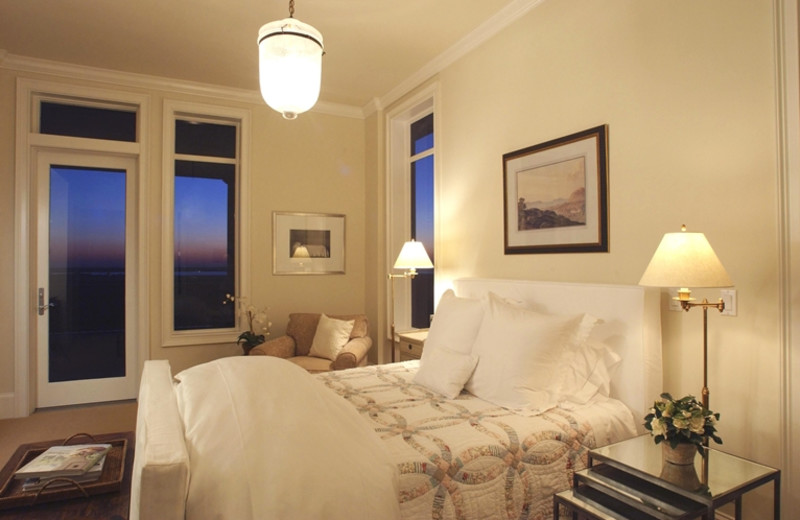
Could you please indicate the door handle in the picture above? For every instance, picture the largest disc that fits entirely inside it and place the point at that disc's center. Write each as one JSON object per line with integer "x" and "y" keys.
{"x": 42, "y": 306}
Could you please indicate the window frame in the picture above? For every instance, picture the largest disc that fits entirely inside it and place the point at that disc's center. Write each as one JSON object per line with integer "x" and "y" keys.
{"x": 174, "y": 110}
{"x": 398, "y": 197}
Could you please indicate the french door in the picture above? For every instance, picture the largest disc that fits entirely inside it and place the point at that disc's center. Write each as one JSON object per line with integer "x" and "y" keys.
{"x": 85, "y": 247}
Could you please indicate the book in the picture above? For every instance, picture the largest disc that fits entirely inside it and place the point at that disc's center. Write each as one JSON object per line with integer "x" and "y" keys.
{"x": 63, "y": 461}
{"x": 91, "y": 475}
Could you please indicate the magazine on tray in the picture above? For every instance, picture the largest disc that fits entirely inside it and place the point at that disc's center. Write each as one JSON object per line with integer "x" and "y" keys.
{"x": 63, "y": 461}
{"x": 92, "y": 475}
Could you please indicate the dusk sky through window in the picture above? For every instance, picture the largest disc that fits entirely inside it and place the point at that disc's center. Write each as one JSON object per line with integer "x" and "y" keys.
{"x": 87, "y": 218}
{"x": 201, "y": 223}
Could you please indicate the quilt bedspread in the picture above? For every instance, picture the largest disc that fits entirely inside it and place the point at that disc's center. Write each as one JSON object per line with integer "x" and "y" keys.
{"x": 469, "y": 459}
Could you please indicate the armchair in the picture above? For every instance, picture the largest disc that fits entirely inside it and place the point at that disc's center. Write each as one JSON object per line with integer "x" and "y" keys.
{"x": 296, "y": 344}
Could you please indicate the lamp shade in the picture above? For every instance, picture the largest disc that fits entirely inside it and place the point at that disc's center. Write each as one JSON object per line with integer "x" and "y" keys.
{"x": 413, "y": 256}
{"x": 290, "y": 65}
{"x": 685, "y": 260}
{"x": 301, "y": 252}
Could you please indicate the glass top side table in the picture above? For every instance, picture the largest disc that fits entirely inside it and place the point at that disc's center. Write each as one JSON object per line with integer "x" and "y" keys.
{"x": 723, "y": 478}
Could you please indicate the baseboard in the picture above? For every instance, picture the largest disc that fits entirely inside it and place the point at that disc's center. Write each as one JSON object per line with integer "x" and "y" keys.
{"x": 7, "y": 402}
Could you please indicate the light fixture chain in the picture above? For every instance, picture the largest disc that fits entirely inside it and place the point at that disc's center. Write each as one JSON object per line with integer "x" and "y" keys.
{"x": 291, "y": 8}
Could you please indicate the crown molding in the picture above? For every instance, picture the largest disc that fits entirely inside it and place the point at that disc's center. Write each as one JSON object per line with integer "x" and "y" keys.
{"x": 499, "y": 21}
{"x": 144, "y": 81}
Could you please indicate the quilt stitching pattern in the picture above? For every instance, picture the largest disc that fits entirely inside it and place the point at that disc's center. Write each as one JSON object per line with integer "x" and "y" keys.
{"x": 464, "y": 458}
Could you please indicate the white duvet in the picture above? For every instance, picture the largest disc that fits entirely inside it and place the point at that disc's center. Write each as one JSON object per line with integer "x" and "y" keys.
{"x": 252, "y": 456}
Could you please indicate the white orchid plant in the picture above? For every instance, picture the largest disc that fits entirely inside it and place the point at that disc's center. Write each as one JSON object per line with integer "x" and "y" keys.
{"x": 683, "y": 420}
{"x": 258, "y": 324}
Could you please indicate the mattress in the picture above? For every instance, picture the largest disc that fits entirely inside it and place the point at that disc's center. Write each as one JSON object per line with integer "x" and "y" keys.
{"x": 469, "y": 459}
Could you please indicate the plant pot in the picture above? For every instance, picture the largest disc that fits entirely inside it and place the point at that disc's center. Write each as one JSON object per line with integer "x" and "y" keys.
{"x": 681, "y": 455}
{"x": 682, "y": 475}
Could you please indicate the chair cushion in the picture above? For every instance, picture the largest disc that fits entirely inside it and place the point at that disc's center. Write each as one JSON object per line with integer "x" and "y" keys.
{"x": 303, "y": 326}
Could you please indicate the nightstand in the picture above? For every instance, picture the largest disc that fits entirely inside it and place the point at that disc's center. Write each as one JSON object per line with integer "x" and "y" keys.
{"x": 410, "y": 344}
{"x": 629, "y": 480}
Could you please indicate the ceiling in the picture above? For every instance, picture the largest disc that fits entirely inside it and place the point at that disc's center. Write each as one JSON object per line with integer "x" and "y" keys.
{"x": 371, "y": 46}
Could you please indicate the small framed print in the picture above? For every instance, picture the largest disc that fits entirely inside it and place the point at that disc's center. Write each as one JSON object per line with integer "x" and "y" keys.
{"x": 556, "y": 195}
{"x": 307, "y": 243}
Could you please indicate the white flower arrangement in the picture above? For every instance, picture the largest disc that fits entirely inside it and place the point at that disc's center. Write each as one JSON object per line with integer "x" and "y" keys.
{"x": 683, "y": 420}
{"x": 255, "y": 316}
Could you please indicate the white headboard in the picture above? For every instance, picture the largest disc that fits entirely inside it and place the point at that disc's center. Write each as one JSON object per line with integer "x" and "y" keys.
{"x": 631, "y": 326}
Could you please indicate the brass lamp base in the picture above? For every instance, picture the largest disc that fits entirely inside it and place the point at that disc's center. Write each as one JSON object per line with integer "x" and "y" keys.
{"x": 686, "y": 304}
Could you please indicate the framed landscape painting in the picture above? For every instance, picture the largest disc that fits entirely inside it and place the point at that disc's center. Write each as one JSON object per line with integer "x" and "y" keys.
{"x": 556, "y": 195}
{"x": 307, "y": 243}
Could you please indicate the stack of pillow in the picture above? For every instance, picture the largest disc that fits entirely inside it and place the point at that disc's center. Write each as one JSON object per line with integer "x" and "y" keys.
{"x": 513, "y": 356}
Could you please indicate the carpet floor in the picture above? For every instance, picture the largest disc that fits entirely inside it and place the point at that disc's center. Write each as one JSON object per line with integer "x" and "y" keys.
{"x": 62, "y": 422}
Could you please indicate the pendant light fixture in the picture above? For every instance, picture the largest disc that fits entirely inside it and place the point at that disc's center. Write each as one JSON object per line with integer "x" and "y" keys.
{"x": 290, "y": 64}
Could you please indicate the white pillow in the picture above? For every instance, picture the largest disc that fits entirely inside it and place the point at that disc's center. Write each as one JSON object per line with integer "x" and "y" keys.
{"x": 455, "y": 323}
{"x": 331, "y": 336}
{"x": 590, "y": 370}
{"x": 444, "y": 371}
{"x": 520, "y": 355}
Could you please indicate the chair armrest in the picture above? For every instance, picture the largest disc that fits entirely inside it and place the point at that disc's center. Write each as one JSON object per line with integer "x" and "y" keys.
{"x": 282, "y": 347}
{"x": 352, "y": 354}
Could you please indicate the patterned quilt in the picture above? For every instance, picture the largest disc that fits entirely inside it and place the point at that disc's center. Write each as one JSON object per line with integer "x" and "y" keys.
{"x": 466, "y": 458}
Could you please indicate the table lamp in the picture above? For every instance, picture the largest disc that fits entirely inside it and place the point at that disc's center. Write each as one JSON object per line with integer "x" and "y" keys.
{"x": 412, "y": 257}
{"x": 686, "y": 260}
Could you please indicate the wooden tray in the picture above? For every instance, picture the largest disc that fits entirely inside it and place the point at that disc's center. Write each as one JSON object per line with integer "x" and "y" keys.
{"x": 12, "y": 494}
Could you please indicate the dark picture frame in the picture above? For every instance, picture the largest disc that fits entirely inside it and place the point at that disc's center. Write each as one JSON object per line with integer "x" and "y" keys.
{"x": 555, "y": 195}
{"x": 307, "y": 243}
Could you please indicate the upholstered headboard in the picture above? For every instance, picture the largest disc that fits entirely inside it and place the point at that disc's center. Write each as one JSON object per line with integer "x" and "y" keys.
{"x": 631, "y": 326}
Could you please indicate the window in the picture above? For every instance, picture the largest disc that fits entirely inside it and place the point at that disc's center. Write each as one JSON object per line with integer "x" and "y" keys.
{"x": 204, "y": 225}
{"x": 81, "y": 120}
{"x": 203, "y": 242}
{"x": 421, "y": 188}
{"x": 410, "y": 184}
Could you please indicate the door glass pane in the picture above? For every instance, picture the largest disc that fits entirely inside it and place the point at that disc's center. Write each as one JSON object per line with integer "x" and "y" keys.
{"x": 86, "y": 274}
{"x": 204, "y": 245}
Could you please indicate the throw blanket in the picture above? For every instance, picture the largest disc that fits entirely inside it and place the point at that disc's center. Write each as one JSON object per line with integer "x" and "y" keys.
{"x": 268, "y": 441}
{"x": 468, "y": 459}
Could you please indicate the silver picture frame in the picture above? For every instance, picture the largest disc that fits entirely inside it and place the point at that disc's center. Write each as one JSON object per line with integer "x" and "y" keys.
{"x": 308, "y": 243}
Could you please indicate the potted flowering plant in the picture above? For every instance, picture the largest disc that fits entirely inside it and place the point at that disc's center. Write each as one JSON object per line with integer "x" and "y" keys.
{"x": 682, "y": 422}
{"x": 250, "y": 338}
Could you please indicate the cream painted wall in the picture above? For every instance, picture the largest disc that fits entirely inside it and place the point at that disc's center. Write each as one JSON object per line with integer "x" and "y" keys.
{"x": 313, "y": 164}
{"x": 7, "y": 249}
{"x": 375, "y": 225}
{"x": 687, "y": 89}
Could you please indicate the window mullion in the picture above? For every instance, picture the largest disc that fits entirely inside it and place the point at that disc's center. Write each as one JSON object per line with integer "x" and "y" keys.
{"x": 421, "y": 155}
{"x": 204, "y": 159}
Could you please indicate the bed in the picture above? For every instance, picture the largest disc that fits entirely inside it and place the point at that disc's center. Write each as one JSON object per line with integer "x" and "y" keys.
{"x": 444, "y": 437}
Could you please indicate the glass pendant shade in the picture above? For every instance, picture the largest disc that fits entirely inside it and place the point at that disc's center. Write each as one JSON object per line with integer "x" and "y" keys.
{"x": 290, "y": 65}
